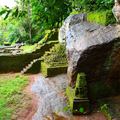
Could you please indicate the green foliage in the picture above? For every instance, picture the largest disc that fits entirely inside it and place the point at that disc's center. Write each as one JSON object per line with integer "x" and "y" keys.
{"x": 101, "y": 17}
{"x": 105, "y": 110}
{"x": 9, "y": 88}
{"x": 49, "y": 14}
{"x": 50, "y": 35}
{"x": 93, "y": 5}
{"x": 74, "y": 12}
{"x": 29, "y": 20}
{"x": 34, "y": 17}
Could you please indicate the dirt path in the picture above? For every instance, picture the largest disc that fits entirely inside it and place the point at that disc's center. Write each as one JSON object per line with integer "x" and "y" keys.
{"x": 30, "y": 104}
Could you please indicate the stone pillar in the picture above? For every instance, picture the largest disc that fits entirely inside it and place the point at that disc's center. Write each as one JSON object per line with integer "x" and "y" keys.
{"x": 81, "y": 103}
{"x": 116, "y": 10}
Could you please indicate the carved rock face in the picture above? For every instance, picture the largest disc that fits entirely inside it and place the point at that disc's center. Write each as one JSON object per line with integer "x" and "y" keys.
{"x": 90, "y": 49}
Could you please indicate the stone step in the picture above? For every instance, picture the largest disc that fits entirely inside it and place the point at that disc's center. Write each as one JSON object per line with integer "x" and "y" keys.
{"x": 29, "y": 65}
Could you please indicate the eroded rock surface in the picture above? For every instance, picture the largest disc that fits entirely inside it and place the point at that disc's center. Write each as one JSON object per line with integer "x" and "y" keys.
{"x": 51, "y": 98}
{"x": 94, "y": 50}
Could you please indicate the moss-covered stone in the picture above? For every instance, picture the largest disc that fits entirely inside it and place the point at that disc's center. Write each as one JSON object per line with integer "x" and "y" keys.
{"x": 16, "y": 63}
{"x": 49, "y": 71}
{"x": 56, "y": 57}
{"x": 81, "y": 106}
{"x": 70, "y": 92}
{"x": 101, "y": 17}
{"x": 45, "y": 47}
{"x": 81, "y": 86}
{"x": 79, "y": 103}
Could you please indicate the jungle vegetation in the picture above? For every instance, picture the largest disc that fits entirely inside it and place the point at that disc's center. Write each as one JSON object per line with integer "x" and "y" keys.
{"x": 29, "y": 19}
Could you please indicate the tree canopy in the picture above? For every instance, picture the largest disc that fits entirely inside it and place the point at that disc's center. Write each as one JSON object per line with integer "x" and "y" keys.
{"x": 28, "y": 21}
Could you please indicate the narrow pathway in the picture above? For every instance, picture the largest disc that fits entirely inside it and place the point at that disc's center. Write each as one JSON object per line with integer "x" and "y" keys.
{"x": 30, "y": 103}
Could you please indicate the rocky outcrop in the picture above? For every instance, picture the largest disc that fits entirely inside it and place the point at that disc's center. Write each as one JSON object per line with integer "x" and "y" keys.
{"x": 94, "y": 50}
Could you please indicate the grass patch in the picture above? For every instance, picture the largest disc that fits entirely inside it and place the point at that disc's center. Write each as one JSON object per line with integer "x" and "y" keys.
{"x": 10, "y": 94}
{"x": 28, "y": 48}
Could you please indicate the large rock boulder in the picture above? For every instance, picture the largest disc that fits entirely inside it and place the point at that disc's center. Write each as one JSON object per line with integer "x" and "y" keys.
{"x": 94, "y": 50}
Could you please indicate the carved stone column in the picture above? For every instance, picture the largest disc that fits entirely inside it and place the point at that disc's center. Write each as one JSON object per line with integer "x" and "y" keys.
{"x": 116, "y": 10}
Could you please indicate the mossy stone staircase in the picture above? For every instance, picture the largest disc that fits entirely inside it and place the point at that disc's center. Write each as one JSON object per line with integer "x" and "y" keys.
{"x": 54, "y": 61}
{"x": 34, "y": 65}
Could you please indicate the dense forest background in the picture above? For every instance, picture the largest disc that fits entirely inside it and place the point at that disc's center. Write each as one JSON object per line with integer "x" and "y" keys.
{"x": 28, "y": 21}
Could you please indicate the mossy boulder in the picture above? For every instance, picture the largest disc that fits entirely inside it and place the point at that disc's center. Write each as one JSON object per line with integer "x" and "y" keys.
{"x": 94, "y": 50}
{"x": 101, "y": 17}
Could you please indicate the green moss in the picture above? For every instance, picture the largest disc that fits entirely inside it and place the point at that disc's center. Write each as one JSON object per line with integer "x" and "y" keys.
{"x": 44, "y": 69}
{"x": 44, "y": 47}
{"x": 101, "y": 17}
{"x": 81, "y": 80}
{"x": 74, "y": 12}
{"x": 56, "y": 56}
{"x": 49, "y": 71}
{"x": 81, "y": 86}
{"x": 106, "y": 111}
{"x": 15, "y": 63}
{"x": 7, "y": 43}
{"x": 76, "y": 93}
{"x": 70, "y": 92}
{"x": 28, "y": 48}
